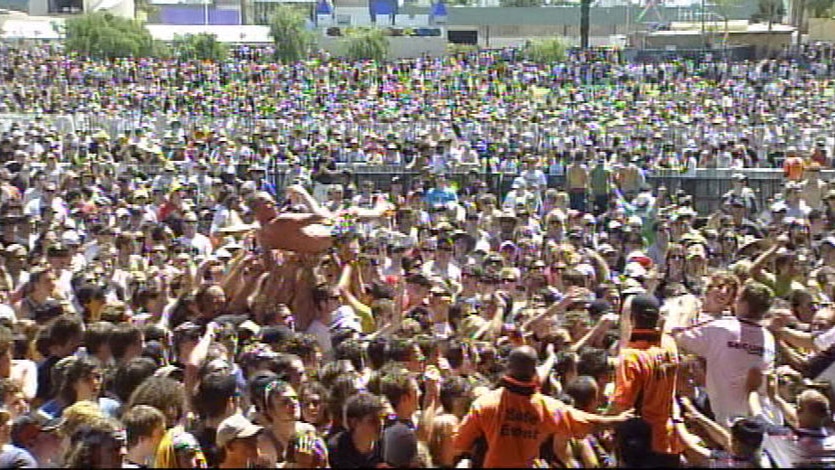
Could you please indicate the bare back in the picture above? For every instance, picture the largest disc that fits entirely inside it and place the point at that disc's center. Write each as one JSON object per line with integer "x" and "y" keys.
{"x": 295, "y": 235}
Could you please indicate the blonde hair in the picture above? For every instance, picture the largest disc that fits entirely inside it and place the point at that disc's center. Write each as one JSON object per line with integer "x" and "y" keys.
{"x": 81, "y": 413}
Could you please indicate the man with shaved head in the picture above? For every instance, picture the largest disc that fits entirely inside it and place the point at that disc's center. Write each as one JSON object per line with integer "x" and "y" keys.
{"x": 515, "y": 419}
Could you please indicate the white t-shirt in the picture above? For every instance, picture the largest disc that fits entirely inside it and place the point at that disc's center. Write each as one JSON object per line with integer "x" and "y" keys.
{"x": 825, "y": 340}
{"x": 731, "y": 347}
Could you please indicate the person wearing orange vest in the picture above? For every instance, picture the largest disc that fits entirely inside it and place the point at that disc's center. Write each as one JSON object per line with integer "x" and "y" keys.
{"x": 514, "y": 420}
{"x": 794, "y": 166}
{"x": 646, "y": 379}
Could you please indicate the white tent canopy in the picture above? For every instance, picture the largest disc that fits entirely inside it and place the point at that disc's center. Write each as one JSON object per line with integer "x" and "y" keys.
{"x": 250, "y": 34}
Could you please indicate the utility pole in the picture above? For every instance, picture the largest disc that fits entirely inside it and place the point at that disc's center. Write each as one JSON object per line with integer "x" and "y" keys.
{"x": 585, "y": 8}
{"x": 801, "y": 9}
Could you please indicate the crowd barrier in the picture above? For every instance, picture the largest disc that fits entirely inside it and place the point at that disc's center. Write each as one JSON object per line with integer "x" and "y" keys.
{"x": 707, "y": 186}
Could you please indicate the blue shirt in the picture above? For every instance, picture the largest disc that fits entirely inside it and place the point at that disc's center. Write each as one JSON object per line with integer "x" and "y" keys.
{"x": 438, "y": 197}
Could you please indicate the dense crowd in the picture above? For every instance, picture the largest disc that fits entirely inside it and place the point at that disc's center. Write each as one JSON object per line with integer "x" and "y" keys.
{"x": 682, "y": 115}
{"x": 205, "y": 313}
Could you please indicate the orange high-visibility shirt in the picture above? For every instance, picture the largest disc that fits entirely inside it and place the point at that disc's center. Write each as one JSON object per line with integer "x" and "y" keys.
{"x": 646, "y": 379}
{"x": 516, "y": 425}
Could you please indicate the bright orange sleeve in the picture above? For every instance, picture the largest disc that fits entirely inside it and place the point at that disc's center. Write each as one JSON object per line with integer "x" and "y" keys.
{"x": 626, "y": 388}
{"x": 570, "y": 422}
{"x": 469, "y": 430}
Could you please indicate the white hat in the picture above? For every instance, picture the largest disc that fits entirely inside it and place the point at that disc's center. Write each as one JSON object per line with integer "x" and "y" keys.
{"x": 235, "y": 427}
{"x": 70, "y": 237}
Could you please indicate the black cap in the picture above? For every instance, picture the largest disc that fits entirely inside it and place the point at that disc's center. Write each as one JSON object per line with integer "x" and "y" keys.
{"x": 599, "y": 307}
{"x": 275, "y": 334}
{"x": 645, "y": 306}
{"x": 749, "y": 431}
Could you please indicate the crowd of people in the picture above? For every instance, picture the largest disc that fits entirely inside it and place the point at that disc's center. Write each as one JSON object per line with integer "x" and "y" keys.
{"x": 167, "y": 302}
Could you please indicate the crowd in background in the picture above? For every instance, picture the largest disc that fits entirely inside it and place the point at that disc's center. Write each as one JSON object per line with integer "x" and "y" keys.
{"x": 167, "y": 302}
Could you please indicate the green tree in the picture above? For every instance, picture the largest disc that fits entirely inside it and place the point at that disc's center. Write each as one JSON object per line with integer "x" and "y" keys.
{"x": 291, "y": 37}
{"x": 769, "y": 11}
{"x": 103, "y": 35}
{"x": 725, "y": 8}
{"x": 819, "y": 8}
{"x": 202, "y": 46}
{"x": 545, "y": 51}
{"x": 367, "y": 44}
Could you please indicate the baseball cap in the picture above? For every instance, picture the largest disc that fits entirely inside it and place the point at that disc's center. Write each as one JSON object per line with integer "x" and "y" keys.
{"x": 645, "y": 305}
{"x": 235, "y": 427}
{"x": 26, "y": 427}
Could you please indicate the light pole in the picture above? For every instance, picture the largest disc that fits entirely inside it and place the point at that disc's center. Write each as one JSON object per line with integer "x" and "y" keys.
{"x": 704, "y": 38}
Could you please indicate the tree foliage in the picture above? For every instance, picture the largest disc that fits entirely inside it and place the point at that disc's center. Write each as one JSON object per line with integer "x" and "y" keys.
{"x": 545, "y": 51}
{"x": 288, "y": 30}
{"x": 202, "y": 46}
{"x": 103, "y": 35}
{"x": 769, "y": 11}
{"x": 367, "y": 44}
{"x": 820, "y": 8}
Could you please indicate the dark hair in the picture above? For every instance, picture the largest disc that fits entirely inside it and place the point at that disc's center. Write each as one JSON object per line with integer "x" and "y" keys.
{"x": 141, "y": 421}
{"x": 97, "y": 335}
{"x": 395, "y": 385}
{"x": 455, "y": 353}
{"x": 583, "y": 389}
{"x": 453, "y": 388}
{"x": 282, "y": 364}
{"x": 87, "y": 293}
{"x": 330, "y": 371}
{"x": 361, "y": 405}
{"x": 593, "y": 362}
{"x": 130, "y": 374}
{"x": 566, "y": 361}
{"x": 351, "y": 350}
{"x": 257, "y": 384}
{"x": 321, "y": 293}
{"x": 164, "y": 394}
{"x": 64, "y": 329}
{"x": 302, "y": 345}
{"x": 213, "y": 395}
{"x": 632, "y": 439}
{"x": 80, "y": 369}
{"x": 377, "y": 352}
{"x": 123, "y": 336}
{"x": 341, "y": 389}
{"x": 272, "y": 388}
{"x": 400, "y": 349}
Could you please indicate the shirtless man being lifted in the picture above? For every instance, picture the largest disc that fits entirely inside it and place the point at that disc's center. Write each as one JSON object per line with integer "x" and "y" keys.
{"x": 306, "y": 232}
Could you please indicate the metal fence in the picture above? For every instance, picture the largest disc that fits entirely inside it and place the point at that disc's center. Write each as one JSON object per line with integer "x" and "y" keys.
{"x": 707, "y": 186}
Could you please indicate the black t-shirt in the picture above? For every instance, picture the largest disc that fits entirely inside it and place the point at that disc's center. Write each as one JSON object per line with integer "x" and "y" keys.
{"x": 207, "y": 438}
{"x": 399, "y": 444}
{"x": 343, "y": 454}
{"x": 45, "y": 377}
